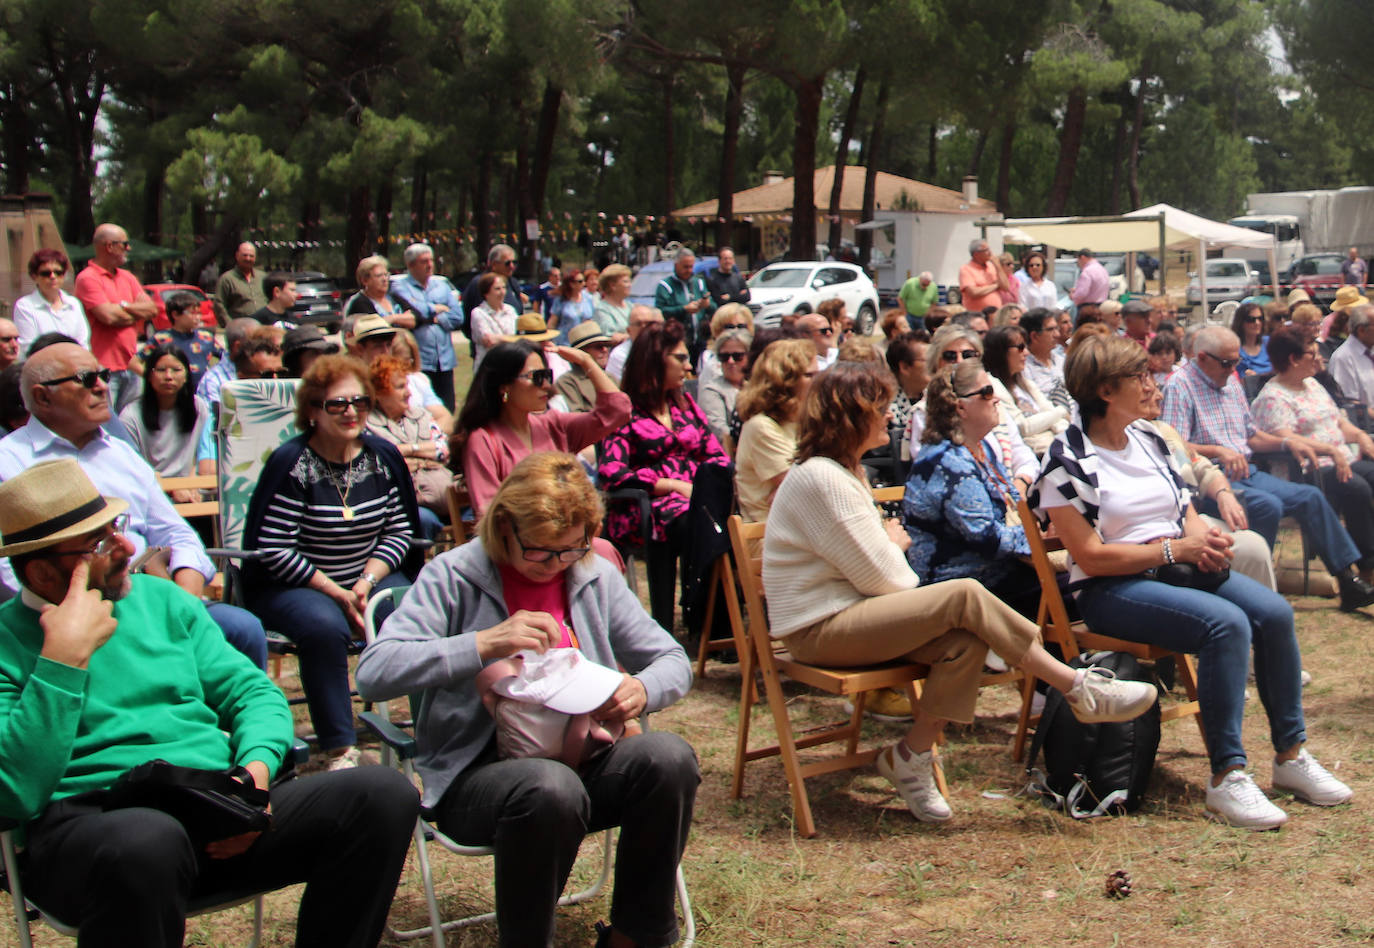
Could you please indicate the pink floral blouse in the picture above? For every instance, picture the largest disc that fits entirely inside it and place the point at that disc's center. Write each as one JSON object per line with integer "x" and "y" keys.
{"x": 1310, "y": 413}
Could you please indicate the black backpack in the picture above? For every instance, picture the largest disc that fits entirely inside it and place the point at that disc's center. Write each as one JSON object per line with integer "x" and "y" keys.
{"x": 1094, "y": 769}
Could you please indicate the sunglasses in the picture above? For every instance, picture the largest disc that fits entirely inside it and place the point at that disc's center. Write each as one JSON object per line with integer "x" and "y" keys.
{"x": 724, "y": 356}
{"x": 734, "y": 326}
{"x": 119, "y": 243}
{"x": 105, "y": 545}
{"x": 540, "y": 554}
{"x": 986, "y": 392}
{"x": 1253, "y": 319}
{"x": 362, "y": 404}
{"x": 52, "y": 273}
{"x": 281, "y": 374}
{"x": 954, "y": 356}
{"x": 537, "y": 377}
{"x": 86, "y": 378}
{"x": 1019, "y": 346}
{"x": 578, "y": 280}
{"x": 1227, "y": 364}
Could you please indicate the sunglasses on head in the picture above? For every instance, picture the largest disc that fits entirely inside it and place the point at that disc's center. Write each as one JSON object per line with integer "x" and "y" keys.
{"x": 86, "y": 378}
{"x": 362, "y": 404}
{"x": 986, "y": 392}
{"x": 955, "y": 355}
{"x": 732, "y": 356}
{"x": 537, "y": 377}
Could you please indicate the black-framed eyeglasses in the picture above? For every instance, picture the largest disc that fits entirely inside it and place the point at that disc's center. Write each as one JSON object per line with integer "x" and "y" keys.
{"x": 102, "y": 547}
{"x": 1019, "y": 346}
{"x": 541, "y": 554}
{"x": 52, "y": 273}
{"x": 955, "y": 355}
{"x": 986, "y": 392}
{"x": 119, "y": 243}
{"x": 1226, "y": 364}
{"x": 362, "y": 404}
{"x": 537, "y": 377}
{"x": 86, "y": 378}
{"x": 734, "y": 326}
{"x": 827, "y": 331}
{"x": 281, "y": 374}
{"x": 732, "y": 356}
{"x": 1253, "y": 319}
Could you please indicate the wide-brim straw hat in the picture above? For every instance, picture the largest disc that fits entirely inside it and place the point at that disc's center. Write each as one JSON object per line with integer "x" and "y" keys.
{"x": 530, "y": 327}
{"x": 372, "y": 326}
{"x": 51, "y": 502}
{"x": 1348, "y": 296}
{"x": 587, "y": 334}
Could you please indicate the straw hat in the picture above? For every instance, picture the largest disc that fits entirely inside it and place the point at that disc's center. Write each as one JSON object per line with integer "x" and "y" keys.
{"x": 1297, "y": 295}
{"x": 586, "y": 334}
{"x": 51, "y": 502}
{"x": 372, "y": 326}
{"x": 530, "y": 327}
{"x": 1348, "y": 296}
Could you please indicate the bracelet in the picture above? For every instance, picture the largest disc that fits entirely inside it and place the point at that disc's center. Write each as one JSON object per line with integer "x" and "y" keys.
{"x": 1168, "y": 552}
{"x": 373, "y": 580}
{"x": 1225, "y": 490}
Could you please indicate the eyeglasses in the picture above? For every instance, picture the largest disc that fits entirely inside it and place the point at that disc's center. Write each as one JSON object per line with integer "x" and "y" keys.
{"x": 281, "y": 374}
{"x": 105, "y": 545}
{"x": 987, "y": 392}
{"x": 86, "y": 378}
{"x": 734, "y": 326}
{"x": 1019, "y": 346}
{"x": 51, "y": 272}
{"x": 1253, "y": 319}
{"x": 1227, "y": 364}
{"x": 362, "y": 404}
{"x": 508, "y": 263}
{"x": 577, "y": 280}
{"x": 540, "y": 554}
{"x": 1145, "y": 378}
{"x": 952, "y": 355}
{"x": 827, "y": 331}
{"x": 176, "y": 368}
{"x": 1035, "y": 263}
{"x": 537, "y": 377}
{"x": 119, "y": 243}
{"x": 682, "y": 357}
{"x": 724, "y": 356}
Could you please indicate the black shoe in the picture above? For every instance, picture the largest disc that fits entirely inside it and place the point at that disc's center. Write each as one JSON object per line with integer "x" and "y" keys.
{"x": 1355, "y": 592}
{"x": 603, "y": 935}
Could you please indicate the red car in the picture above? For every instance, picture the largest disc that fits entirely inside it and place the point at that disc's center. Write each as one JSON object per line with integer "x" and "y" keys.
{"x": 1319, "y": 274}
{"x": 160, "y": 291}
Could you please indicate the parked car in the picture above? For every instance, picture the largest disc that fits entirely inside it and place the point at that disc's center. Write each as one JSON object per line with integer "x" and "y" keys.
{"x": 1228, "y": 278}
{"x": 1317, "y": 273}
{"x": 319, "y": 301}
{"x": 800, "y": 286}
{"x": 159, "y": 293}
{"x": 650, "y": 275}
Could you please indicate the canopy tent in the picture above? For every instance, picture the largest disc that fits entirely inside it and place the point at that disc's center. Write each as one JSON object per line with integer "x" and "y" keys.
{"x": 1159, "y": 225}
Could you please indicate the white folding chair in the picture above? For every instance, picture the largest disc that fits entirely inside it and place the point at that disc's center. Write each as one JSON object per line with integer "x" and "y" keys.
{"x": 398, "y": 749}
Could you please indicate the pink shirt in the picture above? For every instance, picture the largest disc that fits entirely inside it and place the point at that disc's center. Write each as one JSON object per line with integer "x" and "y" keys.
{"x": 971, "y": 275}
{"x": 1093, "y": 284}
{"x": 113, "y": 346}
{"x": 550, "y": 597}
{"x": 491, "y": 452}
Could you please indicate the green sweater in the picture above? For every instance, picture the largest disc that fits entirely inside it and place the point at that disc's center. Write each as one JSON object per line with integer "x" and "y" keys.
{"x": 166, "y": 685}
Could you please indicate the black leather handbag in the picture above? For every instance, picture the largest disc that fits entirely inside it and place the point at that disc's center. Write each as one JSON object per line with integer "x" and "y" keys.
{"x": 1189, "y": 576}
{"x": 211, "y": 804}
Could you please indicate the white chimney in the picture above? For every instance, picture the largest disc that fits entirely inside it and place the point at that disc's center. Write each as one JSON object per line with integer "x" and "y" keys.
{"x": 970, "y": 189}
{"x": 773, "y": 177}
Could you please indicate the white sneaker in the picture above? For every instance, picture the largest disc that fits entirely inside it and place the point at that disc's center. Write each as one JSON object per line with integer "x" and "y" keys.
{"x": 1237, "y": 801}
{"x": 1309, "y": 781}
{"x": 914, "y": 777}
{"x": 349, "y": 759}
{"x": 1097, "y": 696}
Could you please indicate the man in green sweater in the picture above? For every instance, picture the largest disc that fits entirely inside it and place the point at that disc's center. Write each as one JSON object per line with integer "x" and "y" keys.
{"x": 101, "y": 671}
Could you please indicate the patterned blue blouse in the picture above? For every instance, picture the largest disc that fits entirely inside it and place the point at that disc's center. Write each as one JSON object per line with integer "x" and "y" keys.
{"x": 955, "y": 513}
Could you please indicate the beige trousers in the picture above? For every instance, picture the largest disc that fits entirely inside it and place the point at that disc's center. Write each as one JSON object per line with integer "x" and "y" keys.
{"x": 949, "y": 626}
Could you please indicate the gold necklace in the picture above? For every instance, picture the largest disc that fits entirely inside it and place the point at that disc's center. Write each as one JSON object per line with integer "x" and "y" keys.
{"x": 342, "y": 491}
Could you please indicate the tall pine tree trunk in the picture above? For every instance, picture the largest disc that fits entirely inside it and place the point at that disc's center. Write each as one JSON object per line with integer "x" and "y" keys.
{"x": 729, "y": 149}
{"x": 851, "y": 116}
{"x": 669, "y": 147}
{"x": 1070, "y": 141}
{"x": 1004, "y": 166}
{"x": 875, "y": 143}
{"x": 803, "y": 236}
{"x": 1137, "y": 126}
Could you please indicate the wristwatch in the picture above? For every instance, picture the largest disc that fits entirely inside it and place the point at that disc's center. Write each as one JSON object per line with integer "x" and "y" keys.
{"x": 371, "y": 579}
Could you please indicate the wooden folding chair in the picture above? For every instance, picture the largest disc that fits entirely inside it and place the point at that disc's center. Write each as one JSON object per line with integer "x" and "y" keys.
{"x": 761, "y": 652}
{"x": 1074, "y": 638}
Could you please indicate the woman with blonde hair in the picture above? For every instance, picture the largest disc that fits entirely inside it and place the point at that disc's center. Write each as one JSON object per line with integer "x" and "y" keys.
{"x": 769, "y": 406}
{"x": 528, "y": 583}
{"x": 718, "y": 395}
{"x": 840, "y": 591}
{"x": 613, "y": 309}
{"x": 731, "y": 316}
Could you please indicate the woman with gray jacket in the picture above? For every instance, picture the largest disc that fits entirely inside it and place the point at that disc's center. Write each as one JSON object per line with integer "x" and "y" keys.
{"x": 530, "y": 582}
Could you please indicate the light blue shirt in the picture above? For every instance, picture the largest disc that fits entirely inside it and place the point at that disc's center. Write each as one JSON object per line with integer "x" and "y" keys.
{"x": 213, "y": 380}
{"x": 117, "y": 471}
{"x": 432, "y": 327}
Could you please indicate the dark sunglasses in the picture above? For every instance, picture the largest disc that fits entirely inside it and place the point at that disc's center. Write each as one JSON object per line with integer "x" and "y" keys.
{"x": 1019, "y": 346}
{"x": 119, "y": 243}
{"x": 827, "y": 331}
{"x": 52, "y": 273}
{"x": 986, "y": 392}
{"x": 540, "y": 554}
{"x": 280, "y": 374}
{"x": 1253, "y": 319}
{"x": 732, "y": 356}
{"x": 1227, "y": 364}
{"x": 337, "y": 406}
{"x": 537, "y": 377}
{"x": 734, "y": 326}
{"x": 950, "y": 356}
{"x": 86, "y": 378}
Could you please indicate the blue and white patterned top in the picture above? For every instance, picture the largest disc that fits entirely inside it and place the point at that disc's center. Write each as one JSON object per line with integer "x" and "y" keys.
{"x": 956, "y": 515}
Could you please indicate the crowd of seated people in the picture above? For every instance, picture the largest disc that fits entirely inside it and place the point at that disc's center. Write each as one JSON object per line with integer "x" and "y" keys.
{"x": 1134, "y": 475}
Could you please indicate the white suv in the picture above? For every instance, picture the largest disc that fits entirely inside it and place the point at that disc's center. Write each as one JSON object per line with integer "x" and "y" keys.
{"x": 800, "y": 286}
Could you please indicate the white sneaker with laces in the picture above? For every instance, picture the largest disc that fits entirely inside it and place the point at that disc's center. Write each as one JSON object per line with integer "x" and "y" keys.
{"x": 1309, "y": 781}
{"x": 1097, "y": 696}
{"x": 913, "y": 775}
{"x": 1238, "y": 801}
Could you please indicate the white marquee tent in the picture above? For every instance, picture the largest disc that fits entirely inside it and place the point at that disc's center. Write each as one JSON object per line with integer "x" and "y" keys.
{"x": 1158, "y": 226}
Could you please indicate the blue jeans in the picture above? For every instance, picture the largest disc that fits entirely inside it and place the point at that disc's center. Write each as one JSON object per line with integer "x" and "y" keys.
{"x": 1219, "y": 628}
{"x": 242, "y": 630}
{"x": 322, "y": 634}
{"x": 1267, "y": 498}
{"x": 430, "y": 524}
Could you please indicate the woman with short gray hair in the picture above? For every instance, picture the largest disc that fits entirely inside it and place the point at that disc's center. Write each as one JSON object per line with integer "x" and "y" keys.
{"x": 374, "y": 276}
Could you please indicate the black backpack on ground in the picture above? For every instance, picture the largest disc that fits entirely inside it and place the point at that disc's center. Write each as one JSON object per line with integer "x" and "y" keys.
{"x": 1094, "y": 769}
